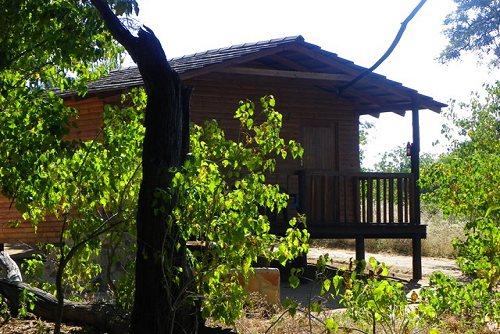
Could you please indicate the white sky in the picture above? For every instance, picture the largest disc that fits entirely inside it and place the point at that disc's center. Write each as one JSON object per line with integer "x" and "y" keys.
{"x": 359, "y": 30}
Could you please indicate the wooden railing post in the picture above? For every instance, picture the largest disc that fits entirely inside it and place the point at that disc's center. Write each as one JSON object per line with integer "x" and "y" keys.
{"x": 415, "y": 170}
{"x": 356, "y": 204}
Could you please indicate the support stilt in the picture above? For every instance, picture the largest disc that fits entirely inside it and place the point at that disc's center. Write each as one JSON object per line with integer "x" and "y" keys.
{"x": 360, "y": 250}
{"x": 417, "y": 258}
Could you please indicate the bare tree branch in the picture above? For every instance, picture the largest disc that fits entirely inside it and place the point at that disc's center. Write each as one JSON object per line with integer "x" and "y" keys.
{"x": 387, "y": 53}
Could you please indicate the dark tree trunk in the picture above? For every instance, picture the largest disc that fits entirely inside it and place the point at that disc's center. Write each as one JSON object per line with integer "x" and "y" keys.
{"x": 162, "y": 304}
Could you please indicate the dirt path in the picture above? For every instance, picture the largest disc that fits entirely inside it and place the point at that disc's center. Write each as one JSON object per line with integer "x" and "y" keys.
{"x": 400, "y": 265}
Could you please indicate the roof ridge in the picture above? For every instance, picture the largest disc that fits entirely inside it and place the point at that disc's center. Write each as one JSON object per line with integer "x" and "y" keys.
{"x": 286, "y": 39}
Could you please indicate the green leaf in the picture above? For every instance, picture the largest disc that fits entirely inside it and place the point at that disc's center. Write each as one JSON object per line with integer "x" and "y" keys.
{"x": 293, "y": 281}
{"x": 331, "y": 325}
{"x": 326, "y": 285}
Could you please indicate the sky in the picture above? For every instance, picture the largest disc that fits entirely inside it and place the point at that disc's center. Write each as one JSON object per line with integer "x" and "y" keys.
{"x": 359, "y": 30}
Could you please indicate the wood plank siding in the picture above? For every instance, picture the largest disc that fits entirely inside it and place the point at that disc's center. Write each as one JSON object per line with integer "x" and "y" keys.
{"x": 216, "y": 96}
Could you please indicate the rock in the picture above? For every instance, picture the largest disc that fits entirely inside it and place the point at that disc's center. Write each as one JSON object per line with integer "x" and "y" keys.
{"x": 266, "y": 282}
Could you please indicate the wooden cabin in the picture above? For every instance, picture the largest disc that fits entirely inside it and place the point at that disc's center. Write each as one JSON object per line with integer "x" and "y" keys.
{"x": 338, "y": 199}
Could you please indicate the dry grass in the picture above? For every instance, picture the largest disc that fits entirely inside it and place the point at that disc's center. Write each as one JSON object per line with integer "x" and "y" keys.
{"x": 258, "y": 320}
{"x": 440, "y": 234}
{"x": 32, "y": 325}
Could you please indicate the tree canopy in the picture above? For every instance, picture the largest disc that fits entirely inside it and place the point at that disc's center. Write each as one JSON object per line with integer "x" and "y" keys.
{"x": 465, "y": 182}
{"x": 473, "y": 27}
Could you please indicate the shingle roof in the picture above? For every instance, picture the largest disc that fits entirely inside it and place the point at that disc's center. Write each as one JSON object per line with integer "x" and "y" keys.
{"x": 211, "y": 59}
{"x": 130, "y": 77}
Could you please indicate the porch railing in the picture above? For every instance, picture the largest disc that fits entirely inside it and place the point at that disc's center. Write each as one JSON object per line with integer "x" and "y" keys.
{"x": 330, "y": 197}
{"x": 383, "y": 197}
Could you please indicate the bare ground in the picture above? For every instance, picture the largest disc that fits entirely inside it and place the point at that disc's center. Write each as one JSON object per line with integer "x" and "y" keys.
{"x": 399, "y": 265}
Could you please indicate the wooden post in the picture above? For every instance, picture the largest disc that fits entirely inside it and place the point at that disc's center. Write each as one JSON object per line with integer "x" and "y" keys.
{"x": 415, "y": 170}
{"x": 360, "y": 249}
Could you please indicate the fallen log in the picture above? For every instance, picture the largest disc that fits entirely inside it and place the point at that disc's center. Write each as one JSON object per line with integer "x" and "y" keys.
{"x": 102, "y": 316}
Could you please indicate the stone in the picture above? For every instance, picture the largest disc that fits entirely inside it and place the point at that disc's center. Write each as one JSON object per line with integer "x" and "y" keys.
{"x": 266, "y": 282}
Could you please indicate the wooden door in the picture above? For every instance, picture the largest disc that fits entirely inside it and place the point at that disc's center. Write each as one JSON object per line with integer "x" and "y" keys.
{"x": 320, "y": 147}
{"x": 322, "y": 202}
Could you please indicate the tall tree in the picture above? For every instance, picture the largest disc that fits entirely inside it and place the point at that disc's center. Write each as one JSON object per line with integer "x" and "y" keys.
{"x": 161, "y": 304}
{"x": 64, "y": 44}
{"x": 474, "y": 26}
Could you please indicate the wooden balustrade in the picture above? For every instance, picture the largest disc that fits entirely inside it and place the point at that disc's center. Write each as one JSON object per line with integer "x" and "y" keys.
{"x": 384, "y": 197}
{"x": 324, "y": 196}
{"x": 327, "y": 197}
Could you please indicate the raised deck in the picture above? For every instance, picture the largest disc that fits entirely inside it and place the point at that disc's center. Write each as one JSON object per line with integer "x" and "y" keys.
{"x": 356, "y": 206}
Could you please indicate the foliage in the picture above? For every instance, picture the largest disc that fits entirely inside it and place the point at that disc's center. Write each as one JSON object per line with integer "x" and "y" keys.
{"x": 372, "y": 302}
{"x": 478, "y": 254}
{"x": 471, "y": 302}
{"x": 56, "y": 44}
{"x": 51, "y": 47}
{"x": 90, "y": 186}
{"x": 473, "y": 27}
{"x": 465, "y": 182}
{"x": 4, "y": 310}
{"x": 397, "y": 161}
{"x": 26, "y": 302}
{"x": 225, "y": 204}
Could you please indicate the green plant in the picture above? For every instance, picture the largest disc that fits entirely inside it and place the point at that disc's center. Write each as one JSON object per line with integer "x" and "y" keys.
{"x": 4, "y": 311}
{"x": 465, "y": 182}
{"x": 373, "y": 303}
{"x": 478, "y": 254}
{"x": 223, "y": 200}
{"x": 472, "y": 302}
{"x": 26, "y": 302}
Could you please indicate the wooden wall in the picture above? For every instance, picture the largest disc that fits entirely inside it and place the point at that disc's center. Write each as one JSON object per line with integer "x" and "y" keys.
{"x": 303, "y": 106}
{"x": 88, "y": 125}
{"x": 301, "y": 103}
{"x": 216, "y": 95}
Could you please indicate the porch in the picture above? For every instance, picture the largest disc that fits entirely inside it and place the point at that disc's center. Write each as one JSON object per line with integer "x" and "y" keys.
{"x": 358, "y": 206}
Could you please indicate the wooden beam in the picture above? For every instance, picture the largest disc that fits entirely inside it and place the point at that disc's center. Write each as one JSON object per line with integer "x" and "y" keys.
{"x": 298, "y": 67}
{"x": 234, "y": 61}
{"x": 356, "y": 94}
{"x": 372, "y": 78}
{"x": 286, "y": 74}
{"x": 415, "y": 163}
{"x": 360, "y": 251}
{"x": 289, "y": 63}
{"x": 367, "y": 97}
{"x": 415, "y": 170}
{"x": 416, "y": 243}
{"x": 336, "y": 230}
{"x": 399, "y": 109}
